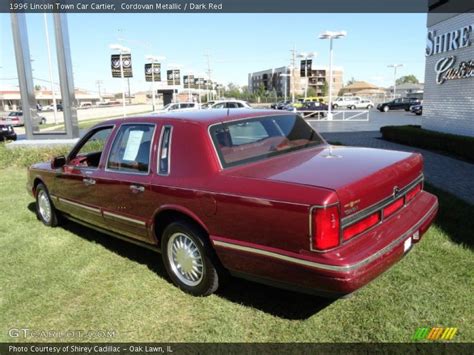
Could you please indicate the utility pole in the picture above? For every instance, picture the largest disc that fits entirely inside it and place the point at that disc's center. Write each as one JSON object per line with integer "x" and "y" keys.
{"x": 99, "y": 83}
{"x": 292, "y": 76}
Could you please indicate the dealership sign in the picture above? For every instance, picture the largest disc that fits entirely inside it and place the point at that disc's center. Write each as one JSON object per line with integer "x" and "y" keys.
{"x": 446, "y": 68}
{"x": 125, "y": 63}
{"x": 153, "y": 74}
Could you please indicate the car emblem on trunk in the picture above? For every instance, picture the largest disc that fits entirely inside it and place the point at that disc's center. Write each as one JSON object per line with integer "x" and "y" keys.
{"x": 396, "y": 191}
{"x": 351, "y": 207}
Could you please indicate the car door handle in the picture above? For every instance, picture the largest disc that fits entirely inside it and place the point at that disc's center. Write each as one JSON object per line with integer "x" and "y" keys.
{"x": 88, "y": 181}
{"x": 137, "y": 188}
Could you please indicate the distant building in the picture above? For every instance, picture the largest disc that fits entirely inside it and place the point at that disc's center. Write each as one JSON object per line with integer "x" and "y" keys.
{"x": 362, "y": 88}
{"x": 317, "y": 79}
{"x": 408, "y": 90}
{"x": 10, "y": 100}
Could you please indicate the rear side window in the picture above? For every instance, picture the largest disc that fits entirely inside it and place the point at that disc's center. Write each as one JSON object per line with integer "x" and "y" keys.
{"x": 164, "y": 152}
{"x": 131, "y": 149}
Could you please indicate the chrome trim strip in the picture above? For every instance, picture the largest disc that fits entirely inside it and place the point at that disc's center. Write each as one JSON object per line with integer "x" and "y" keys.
{"x": 107, "y": 169}
{"x": 344, "y": 268}
{"x": 80, "y": 205}
{"x": 117, "y": 216}
{"x": 346, "y": 221}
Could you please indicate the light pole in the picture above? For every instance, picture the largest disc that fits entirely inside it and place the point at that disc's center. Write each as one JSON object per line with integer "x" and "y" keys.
{"x": 122, "y": 50}
{"x": 306, "y": 57}
{"x": 395, "y": 66}
{"x": 53, "y": 95}
{"x": 331, "y": 35}
{"x": 153, "y": 59}
{"x": 285, "y": 76}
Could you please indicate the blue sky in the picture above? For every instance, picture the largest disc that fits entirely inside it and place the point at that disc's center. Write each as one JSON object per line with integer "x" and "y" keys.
{"x": 237, "y": 43}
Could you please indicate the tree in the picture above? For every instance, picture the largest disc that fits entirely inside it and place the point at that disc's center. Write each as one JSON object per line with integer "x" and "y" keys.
{"x": 311, "y": 92}
{"x": 352, "y": 81}
{"x": 325, "y": 89}
{"x": 37, "y": 87}
{"x": 407, "y": 79}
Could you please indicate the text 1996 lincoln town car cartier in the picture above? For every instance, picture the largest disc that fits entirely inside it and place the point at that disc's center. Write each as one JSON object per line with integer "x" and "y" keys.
{"x": 255, "y": 193}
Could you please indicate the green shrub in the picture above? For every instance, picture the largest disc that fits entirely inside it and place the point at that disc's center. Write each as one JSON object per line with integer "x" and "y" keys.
{"x": 24, "y": 157}
{"x": 460, "y": 146}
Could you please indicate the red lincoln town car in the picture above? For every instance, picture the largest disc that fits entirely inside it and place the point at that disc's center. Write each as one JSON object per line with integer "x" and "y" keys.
{"x": 256, "y": 193}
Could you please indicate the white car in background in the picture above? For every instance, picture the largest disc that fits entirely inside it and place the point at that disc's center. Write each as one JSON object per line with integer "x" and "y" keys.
{"x": 364, "y": 103}
{"x": 350, "y": 102}
{"x": 229, "y": 104}
{"x": 179, "y": 106}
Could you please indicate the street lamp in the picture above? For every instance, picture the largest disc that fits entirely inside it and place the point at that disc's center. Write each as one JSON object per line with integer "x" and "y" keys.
{"x": 122, "y": 50}
{"x": 306, "y": 57}
{"x": 285, "y": 75}
{"x": 153, "y": 59}
{"x": 394, "y": 66}
{"x": 331, "y": 35}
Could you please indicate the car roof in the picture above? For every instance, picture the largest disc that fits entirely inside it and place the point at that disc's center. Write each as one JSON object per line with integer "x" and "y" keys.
{"x": 201, "y": 117}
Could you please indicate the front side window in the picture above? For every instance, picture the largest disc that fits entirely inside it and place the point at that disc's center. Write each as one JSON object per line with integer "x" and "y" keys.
{"x": 131, "y": 149}
{"x": 89, "y": 152}
{"x": 256, "y": 139}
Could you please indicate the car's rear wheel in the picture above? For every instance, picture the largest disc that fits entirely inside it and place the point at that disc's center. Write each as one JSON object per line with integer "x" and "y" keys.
{"x": 385, "y": 109}
{"x": 45, "y": 210}
{"x": 352, "y": 107}
{"x": 335, "y": 106}
{"x": 369, "y": 107}
{"x": 43, "y": 120}
{"x": 188, "y": 259}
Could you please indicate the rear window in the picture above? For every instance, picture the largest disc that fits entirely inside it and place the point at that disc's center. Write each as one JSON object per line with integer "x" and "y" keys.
{"x": 255, "y": 139}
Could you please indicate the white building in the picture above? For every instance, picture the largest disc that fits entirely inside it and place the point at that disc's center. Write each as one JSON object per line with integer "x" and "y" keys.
{"x": 448, "y": 102}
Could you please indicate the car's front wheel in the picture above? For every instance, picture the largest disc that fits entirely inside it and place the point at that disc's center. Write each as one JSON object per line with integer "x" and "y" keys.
{"x": 385, "y": 109}
{"x": 369, "y": 107}
{"x": 45, "y": 210}
{"x": 188, "y": 259}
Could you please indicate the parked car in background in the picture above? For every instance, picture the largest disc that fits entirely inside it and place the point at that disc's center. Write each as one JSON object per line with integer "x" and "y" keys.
{"x": 403, "y": 103}
{"x": 7, "y": 132}
{"x": 180, "y": 106}
{"x": 257, "y": 193}
{"x": 229, "y": 104}
{"x": 15, "y": 118}
{"x": 363, "y": 104}
{"x": 59, "y": 107}
{"x": 86, "y": 104}
{"x": 417, "y": 109}
{"x": 279, "y": 105}
{"x": 350, "y": 102}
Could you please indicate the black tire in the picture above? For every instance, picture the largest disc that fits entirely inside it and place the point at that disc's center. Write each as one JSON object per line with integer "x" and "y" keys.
{"x": 43, "y": 121}
{"x": 335, "y": 106}
{"x": 207, "y": 280}
{"x": 369, "y": 107}
{"x": 385, "y": 109}
{"x": 352, "y": 107}
{"x": 52, "y": 218}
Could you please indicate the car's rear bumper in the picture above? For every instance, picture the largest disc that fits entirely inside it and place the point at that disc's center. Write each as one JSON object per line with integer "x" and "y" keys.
{"x": 345, "y": 269}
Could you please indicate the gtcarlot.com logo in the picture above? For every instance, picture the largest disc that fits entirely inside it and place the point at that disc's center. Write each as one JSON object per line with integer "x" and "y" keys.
{"x": 436, "y": 333}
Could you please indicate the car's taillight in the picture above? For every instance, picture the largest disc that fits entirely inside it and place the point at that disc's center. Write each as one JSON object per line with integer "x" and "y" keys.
{"x": 393, "y": 207}
{"x": 361, "y": 226}
{"x": 412, "y": 193}
{"x": 326, "y": 227}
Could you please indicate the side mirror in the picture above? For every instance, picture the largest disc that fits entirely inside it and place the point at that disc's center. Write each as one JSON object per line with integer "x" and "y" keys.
{"x": 58, "y": 162}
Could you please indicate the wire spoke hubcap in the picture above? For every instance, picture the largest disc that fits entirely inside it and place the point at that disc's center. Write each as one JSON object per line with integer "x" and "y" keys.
{"x": 185, "y": 259}
{"x": 44, "y": 206}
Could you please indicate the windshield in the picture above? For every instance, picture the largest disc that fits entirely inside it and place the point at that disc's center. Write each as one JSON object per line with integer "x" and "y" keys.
{"x": 255, "y": 139}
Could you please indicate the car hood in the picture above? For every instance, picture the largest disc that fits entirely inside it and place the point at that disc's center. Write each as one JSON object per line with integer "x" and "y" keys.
{"x": 356, "y": 174}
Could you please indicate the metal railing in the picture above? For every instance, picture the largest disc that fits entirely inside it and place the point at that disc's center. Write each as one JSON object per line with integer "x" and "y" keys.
{"x": 340, "y": 115}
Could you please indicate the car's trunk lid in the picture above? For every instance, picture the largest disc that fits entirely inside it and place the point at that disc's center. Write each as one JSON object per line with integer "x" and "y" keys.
{"x": 361, "y": 177}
